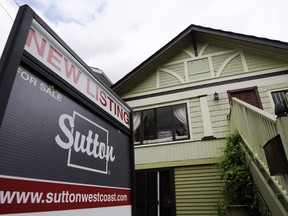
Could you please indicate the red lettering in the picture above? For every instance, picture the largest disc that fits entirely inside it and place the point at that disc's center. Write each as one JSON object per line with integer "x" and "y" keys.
{"x": 111, "y": 103}
{"x": 55, "y": 58}
{"x": 40, "y": 49}
{"x": 126, "y": 118}
{"x": 97, "y": 90}
{"x": 115, "y": 109}
{"x": 71, "y": 70}
{"x": 103, "y": 98}
{"x": 120, "y": 112}
{"x": 88, "y": 88}
{"x": 53, "y": 54}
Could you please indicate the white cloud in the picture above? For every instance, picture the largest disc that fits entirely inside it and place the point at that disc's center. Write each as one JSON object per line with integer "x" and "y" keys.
{"x": 116, "y": 36}
{"x": 8, "y": 12}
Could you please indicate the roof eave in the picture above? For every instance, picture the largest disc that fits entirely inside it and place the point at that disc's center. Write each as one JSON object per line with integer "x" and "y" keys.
{"x": 188, "y": 33}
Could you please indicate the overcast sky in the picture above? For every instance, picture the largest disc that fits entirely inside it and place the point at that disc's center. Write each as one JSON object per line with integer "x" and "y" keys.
{"x": 117, "y": 35}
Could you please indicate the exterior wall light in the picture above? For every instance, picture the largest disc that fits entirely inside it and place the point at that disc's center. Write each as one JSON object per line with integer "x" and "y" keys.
{"x": 216, "y": 96}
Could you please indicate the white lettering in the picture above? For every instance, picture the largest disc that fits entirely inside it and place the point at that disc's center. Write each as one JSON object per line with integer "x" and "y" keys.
{"x": 51, "y": 91}
{"x": 83, "y": 143}
{"x": 65, "y": 130}
{"x": 25, "y": 76}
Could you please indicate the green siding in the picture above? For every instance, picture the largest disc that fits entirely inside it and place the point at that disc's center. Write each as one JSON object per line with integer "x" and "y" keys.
{"x": 182, "y": 55}
{"x": 179, "y": 151}
{"x": 218, "y": 60}
{"x": 168, "y": 80}
{"x": 218, "y": 114}
{"x": 196, "y": 119}
{"x": 257, "y": 62}
{"x": 234, "y": 67}
{"x": 198, "y": 67}
{"x": 148, "y": 83}
{"x": 197, "y": 190}
{"x": 177, "y": 68}
{"x": 214, "y": 48}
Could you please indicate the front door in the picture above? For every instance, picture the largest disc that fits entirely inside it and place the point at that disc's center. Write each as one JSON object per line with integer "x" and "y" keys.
{"x": 155, "y": 193}
{"x": 249, "y": 95}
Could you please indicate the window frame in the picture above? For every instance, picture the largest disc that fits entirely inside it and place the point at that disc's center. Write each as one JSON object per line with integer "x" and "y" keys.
{"x": 174, "y": 139}
{"x": 271, "y": 97}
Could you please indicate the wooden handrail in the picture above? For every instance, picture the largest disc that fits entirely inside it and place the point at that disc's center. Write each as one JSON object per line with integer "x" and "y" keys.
{"x": 256, "y": 127}
{"x": 261, "y": 112}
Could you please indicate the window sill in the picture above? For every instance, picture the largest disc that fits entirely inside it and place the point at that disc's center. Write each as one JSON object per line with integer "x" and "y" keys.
{"x": 163, "y": 143}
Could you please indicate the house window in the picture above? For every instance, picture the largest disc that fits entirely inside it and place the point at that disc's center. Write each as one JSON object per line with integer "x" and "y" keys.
{"x": 164, "y": 124}
{"x": 281, "y": 97}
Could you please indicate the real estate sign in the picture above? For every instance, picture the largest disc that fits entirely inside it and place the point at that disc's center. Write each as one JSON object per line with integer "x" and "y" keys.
{"x": 65, "y": 138}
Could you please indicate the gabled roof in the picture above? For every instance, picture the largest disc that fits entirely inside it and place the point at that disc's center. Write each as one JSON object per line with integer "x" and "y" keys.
{"x": 190, "y": 36}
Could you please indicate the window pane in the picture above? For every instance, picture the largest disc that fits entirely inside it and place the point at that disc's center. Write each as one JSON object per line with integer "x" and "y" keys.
{"x": 281, "y": 97}
{"x": 166, "y": 199}
{"x": 137, "y": 127}
{"x": 164, "y": 124}
{"x": 155, "y": 188}
{"x": 180, "y": 122}
{"x": 149, "y": 121}
{"x": 146, "y": 193}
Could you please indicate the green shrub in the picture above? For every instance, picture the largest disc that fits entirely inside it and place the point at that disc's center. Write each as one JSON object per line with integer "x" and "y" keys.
{"x": 238, "y": 187}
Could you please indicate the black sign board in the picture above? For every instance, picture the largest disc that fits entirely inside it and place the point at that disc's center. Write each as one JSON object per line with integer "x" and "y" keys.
{"x": 65, "y": 138}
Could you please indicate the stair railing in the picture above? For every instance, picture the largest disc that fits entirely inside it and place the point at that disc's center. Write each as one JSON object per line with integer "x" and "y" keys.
{"x": 257, "y": 127}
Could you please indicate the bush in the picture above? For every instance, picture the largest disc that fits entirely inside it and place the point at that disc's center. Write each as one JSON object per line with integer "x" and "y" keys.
{"x": 238, "y": 187}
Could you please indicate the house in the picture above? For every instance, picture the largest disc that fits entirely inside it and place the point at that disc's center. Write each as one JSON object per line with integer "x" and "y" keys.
{"x": 101, "y": 76}
{"x": 181, "y": 100}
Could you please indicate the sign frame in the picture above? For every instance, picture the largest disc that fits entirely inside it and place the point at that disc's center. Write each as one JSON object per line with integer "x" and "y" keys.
{"x": 15, "y": 54}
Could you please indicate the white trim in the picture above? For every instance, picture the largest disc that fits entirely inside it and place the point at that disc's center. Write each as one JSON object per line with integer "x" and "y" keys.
{"x": 158, "y": 79}
{"x": 203, "y": 49}
{"x": 184, "y": 95}
{"x": 172, "y": 73}
{"x": 207, "y": 125}
{"x": 189, "y": 53}
{"x": 159, "y": 105}
{"x": 226, "y": 62}
{"x": 269, "y": 116}
{"x": 166, "y": 143}
{"x": 201, "y": 72}
{"x": 208, "y": 81}
{"x": 244, "y": 62}
{"x": 186, "y": 71}
{"x": 199, "y": 57}
{"x": 210, "y": 62}
{"x": 168, "y": 103}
